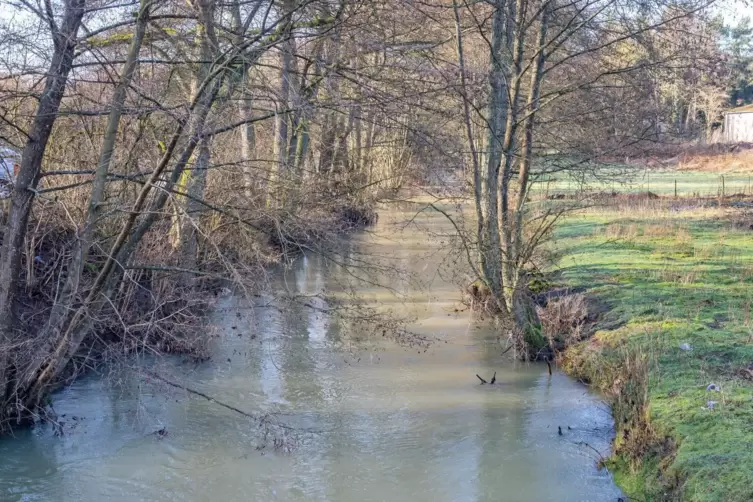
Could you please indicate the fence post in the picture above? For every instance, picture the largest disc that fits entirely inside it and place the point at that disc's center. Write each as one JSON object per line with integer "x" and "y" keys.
{"x": 675, "y": 188}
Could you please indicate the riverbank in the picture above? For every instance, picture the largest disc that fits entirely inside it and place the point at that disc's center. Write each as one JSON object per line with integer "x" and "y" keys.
{"x": 673, "y": 352}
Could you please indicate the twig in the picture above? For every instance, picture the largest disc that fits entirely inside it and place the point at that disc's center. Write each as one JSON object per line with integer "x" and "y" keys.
{"x": 201, "y": 394}
{"x": 602, "y": 460}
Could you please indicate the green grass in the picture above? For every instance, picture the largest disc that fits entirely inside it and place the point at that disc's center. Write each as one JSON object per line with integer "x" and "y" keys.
{"x": 669, "y": 278}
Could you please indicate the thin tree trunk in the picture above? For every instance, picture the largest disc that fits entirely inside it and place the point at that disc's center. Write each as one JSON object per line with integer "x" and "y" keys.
{"x": 294, "y": 117}
{"x": 251, "y": 179}
{"x": 329, "y": 129}
{"x": 281, "y": 144}
{"x": 281, "y": 127}
{"x": 191, "y": 221}
{"x": 342, "y": 160}
{"x": 532, "y": 106}
{"x": 358, "y": 140}
{"x": 369, "y": 146}
{"x": 304, "y": 112}
{"x": 308, "y": 88}
{"x": 304, "y": 138}
{"x": 328, "y": 134}
{"x": 28, "y": 178}
{"x": 524, "y": 310}
{"x": 198, "y": 176}
{"x": 510, "y": 265}
{"x": 477, "y": 184}
{"x": 81, "y": 247}
{"x": 156, "y": 208}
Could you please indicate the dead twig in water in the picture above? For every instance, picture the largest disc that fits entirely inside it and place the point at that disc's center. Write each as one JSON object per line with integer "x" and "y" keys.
{"x": 201, "y": 394}
{"x": 602, "y": 462}
{"x": 260, "y": 419}
{"x": 598, "y": 453}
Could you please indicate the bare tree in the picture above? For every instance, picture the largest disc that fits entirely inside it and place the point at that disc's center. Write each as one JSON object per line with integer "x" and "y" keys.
{"x": 543, "y": 55}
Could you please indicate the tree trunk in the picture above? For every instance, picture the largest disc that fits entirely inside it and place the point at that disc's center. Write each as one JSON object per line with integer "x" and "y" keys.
{"x": 302, "y": 148}
{"x": 327, "y": 143}
{"x": 342, "y": 160}
{"x": 251, "y": 180}
{"x": 524, "y": 311}
{"x": 197, "y": 177}
{"x": 296, "y": 90}
{"x": 477, "y": 184}
{"x": 490, "y": 246}
{"x": 28, "y": 178}
{"x": 281, "y": 145}
{"x": 62, "y": 308}
{"x": 369, "y": 146}
{"x": 510, "y": 262}
{"x": 358, "y": 143}
{"x": 196, "y": 127}
{"x": 532, "y": 106}
{"x": 191, "y": 222}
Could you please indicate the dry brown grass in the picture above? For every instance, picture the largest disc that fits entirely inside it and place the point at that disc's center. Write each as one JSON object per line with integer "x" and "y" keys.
{"x": 684, "y": 276}
{"x": 679, "y": 234}
{"x": 624, "y": 231}
{"x": 564, "y": 320}
{"x": 629, "y": 395}
{"x": 715, "y": 157}
{"x": 718, "y": 158}
{"x": 657, "y": 230}
{"x": 623, "y": 378}
{"x": 479, "y": 298}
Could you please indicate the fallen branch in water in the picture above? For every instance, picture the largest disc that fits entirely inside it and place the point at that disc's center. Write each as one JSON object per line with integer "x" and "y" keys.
{"x": 205, "y": 396}
{"x": 601, "y": 458}
{"x": 602, "y": 461}
{"x": 263, "y": 419}
{"x": 286, "y": 438}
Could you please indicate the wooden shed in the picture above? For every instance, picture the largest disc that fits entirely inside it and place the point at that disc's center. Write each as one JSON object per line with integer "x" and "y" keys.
{"x": 738, "y": 125}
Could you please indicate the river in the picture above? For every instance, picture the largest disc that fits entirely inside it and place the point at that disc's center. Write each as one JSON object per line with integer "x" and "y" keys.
{"x": 370, "y": 420}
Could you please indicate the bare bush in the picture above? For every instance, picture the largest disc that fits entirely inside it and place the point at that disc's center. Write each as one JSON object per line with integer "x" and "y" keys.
{"x": 564, "y": 320}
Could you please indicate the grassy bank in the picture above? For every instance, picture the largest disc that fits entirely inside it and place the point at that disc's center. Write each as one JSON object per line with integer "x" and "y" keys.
{"x": 672, "y": 276}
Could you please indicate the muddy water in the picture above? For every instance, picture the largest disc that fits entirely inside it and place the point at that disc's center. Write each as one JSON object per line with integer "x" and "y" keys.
{"x": 371, "y": 421}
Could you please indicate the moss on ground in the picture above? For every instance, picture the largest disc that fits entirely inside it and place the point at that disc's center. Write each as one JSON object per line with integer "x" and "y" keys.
{"x": 671, "y": 278}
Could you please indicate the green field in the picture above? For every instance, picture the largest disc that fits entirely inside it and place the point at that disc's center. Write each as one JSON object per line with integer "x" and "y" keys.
{"x": 664, "y": 278}
{"x": 627, "y": 179}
